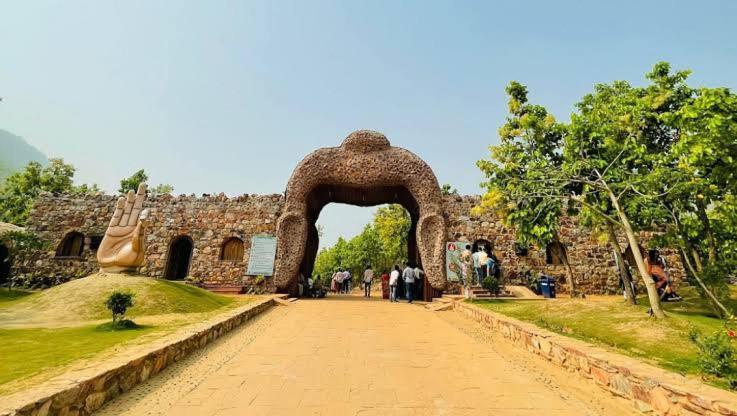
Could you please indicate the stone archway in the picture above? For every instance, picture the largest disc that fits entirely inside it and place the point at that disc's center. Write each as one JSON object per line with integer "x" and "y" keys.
{"x": 364, "y": 170}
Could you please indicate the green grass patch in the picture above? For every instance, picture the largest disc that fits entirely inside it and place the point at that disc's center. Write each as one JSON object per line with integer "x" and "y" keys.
{"x": 84, "y": 300}
{"x": 624, "y": 328}
{"x": 26, "y": 352}
{"x": 12, "y": 295}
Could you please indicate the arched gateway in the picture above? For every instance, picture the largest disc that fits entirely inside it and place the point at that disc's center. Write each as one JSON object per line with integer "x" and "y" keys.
{"x": 365, "y": 170}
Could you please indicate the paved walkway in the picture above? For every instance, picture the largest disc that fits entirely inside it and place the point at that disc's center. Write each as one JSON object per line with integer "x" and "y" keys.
{"x": 345, "y": 355}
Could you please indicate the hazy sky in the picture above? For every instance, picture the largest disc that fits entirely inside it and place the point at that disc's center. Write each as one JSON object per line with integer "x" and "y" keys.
{"x": 228, "y": 96}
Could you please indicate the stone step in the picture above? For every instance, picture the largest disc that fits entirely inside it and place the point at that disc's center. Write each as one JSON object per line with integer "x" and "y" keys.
{"x": 222, "y": 289}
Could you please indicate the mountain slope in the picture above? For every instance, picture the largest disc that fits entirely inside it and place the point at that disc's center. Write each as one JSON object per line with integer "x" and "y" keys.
{"x": 15, "y": 153}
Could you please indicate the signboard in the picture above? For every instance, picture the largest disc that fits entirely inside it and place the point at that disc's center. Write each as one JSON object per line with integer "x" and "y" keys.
{"x": 453, "y": 251}
{"x": 261, "y": 258}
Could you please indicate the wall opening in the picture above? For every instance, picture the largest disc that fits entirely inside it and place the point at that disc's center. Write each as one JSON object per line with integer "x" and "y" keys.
{"x": 553, "y": 252}
{"x": 232, "y": 250}
{"x": 322, "y": 195}
{"x": 4, "y": 264}
{"x": 178, "y": 258}
{"x": 482, "y": 244}
{"x": 71, "y": 245}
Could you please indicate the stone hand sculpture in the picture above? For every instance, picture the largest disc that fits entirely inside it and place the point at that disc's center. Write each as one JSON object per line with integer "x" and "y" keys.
{"x": 122, "y": 248}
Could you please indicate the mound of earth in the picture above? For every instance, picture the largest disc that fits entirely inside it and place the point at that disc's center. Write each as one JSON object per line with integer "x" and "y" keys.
{"x": 84, "y": 300}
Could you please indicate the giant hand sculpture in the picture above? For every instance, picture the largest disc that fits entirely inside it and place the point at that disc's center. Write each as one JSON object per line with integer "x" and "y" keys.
{"x": 122, "y": 248}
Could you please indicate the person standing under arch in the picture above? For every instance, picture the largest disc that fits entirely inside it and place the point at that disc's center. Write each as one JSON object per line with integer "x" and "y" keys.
{"x": 368, "y": 277}
{"x": 409, "y": 281}
{"x": 393, "y": 281}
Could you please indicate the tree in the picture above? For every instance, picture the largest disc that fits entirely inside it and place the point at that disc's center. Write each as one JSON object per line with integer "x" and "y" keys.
{"x": 132, "y": 182}
{"x": 695, "y": 183}
{"x": 517, "y": 186}
{"x": 20, "y": 190}
{"x": 447, "y": 189}
{"x": 162, "y": 188}
{"x": 118, "y": 303}
{"x": 139, "y": 177}
{"x": 392, "y": 223}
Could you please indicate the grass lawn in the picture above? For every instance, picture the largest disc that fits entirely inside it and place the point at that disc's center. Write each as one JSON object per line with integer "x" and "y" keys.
{"x": 608, "y": 321}
{"x": 26, "y": 352}
{"x": 11, "y": 295}
{"x": 43, "y": 333}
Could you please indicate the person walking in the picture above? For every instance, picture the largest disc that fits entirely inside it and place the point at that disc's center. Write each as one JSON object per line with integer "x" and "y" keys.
{"x": 339, "y": 276}
{"x": 409, "y": 280}
{"x": 385, "y": 285}
{"x": 419, "y": 283}
{"x": 368, "y": 277}
{"x": 346, "y": 281}
{"x": 476, "y": 266}
{"x": 482, "y": 259}
{"x": 393, "y": 281}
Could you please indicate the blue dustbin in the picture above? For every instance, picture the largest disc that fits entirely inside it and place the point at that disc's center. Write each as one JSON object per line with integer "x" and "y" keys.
{"x": 547, "y": 286}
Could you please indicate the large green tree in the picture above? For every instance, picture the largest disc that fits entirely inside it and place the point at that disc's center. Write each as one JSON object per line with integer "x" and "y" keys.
{"x": 20, "y": 190}
{"x": 517, "y": 176}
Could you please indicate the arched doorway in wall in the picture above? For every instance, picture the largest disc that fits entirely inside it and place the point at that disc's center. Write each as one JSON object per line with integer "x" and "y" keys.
{"x": 482, "y": 244}
{"x": 365, "y": 171}
{"x": 4, "y": 264}
{"x": 178, "y": 258}
{"x": 71, "y": 245}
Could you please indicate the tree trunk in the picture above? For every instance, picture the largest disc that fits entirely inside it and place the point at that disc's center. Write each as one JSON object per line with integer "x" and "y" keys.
{"x": 652, "y": 291}
{"x": 560, "y": 252}
{"x": 697, "y": 259}
{"x": 623, "y": 272}
{"x": 710, "y": 240}
{"x": 723, "y": 311}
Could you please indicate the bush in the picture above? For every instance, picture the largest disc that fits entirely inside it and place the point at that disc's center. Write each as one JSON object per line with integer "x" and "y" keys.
{"x": 716, "y": 356}
{"x": 118, "y": 303}
{"x": 491, "y": 284}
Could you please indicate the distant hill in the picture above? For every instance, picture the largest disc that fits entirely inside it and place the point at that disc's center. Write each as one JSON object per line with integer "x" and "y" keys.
{"x": 15, "y": 153}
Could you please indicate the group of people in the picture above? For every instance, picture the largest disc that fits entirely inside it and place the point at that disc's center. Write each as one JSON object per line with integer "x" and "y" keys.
{"x": 341, "y": 281}
{"x": 477, "y": 265}
{"x": 410, "y": 278}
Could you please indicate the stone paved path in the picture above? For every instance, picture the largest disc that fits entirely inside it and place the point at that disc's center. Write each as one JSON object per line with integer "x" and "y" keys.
{"x": 349, "y": 356}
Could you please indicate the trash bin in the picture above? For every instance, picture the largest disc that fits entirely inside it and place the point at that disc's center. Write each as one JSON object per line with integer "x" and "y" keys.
{"x": 547, "y": 286}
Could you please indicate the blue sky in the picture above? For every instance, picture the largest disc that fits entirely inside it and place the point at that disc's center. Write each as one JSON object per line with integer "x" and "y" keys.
{"x": 228, "y": 96}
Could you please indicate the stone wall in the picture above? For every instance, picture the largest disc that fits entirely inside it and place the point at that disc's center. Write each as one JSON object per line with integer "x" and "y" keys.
{"x": 208, "y": 221}
{"x": 650, "y": 389}
{"x": 592, "y": 261}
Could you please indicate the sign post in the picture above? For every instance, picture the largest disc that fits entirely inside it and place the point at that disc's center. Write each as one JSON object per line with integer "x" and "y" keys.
{"x": 261, "y": 258}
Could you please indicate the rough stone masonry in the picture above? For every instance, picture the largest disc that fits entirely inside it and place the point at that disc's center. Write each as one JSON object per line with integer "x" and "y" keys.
{"x": 209, "y": 221}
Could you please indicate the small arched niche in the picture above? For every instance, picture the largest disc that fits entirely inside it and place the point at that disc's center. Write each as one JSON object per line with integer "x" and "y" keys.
{"x": 232, "y": 249}
{"x": 72, "y": 245}
{"x": 553, "y": 252}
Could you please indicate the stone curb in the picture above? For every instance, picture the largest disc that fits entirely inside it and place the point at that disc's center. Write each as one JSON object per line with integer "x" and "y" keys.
{"x": 82, "y": 392}
{"x": 649, "y": 388}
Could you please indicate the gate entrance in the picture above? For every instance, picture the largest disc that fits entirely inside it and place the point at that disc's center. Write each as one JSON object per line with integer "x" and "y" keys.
{"x": 365, "y": 171}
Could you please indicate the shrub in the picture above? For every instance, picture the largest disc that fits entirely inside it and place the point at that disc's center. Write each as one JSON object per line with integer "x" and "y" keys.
{"x": 716, "y": 355}
{"x": 491, "y": 284}
{"x": 118, "y": 303}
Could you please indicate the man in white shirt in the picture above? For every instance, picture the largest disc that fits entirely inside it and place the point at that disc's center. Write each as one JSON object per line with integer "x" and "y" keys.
{"x": 408, "y": 275}
{"x": 393, "y": 280}
{"x": 368, "y": 277}
{"x": 481, "y": 271}
{"x": 346, "y": 281}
